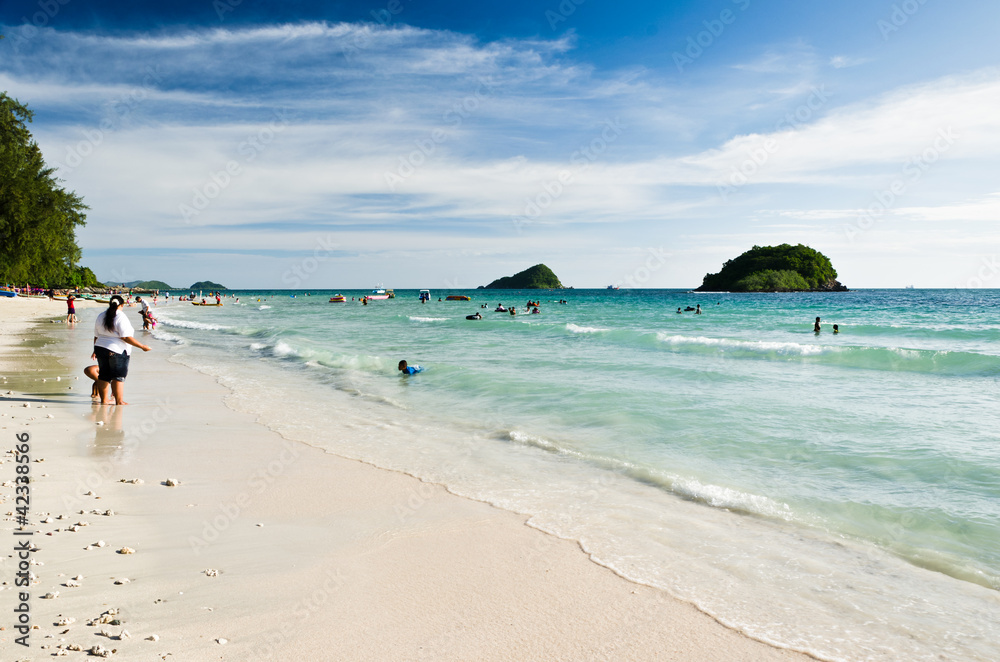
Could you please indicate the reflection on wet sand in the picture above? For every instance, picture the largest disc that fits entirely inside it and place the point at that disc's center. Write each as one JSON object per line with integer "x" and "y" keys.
{"x": 109, "y": 435}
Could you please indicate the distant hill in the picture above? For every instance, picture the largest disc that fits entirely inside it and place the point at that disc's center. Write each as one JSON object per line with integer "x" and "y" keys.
{"x": 538, "y": 277}
{"x": 152, "y": 285}
{"x": 783, "y": 268}
{"x": 144, "y": 284}
{"x": 207, "y": 285}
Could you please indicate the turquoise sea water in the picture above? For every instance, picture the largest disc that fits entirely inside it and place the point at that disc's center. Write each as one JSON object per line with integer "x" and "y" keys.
{"x": 836, "y": 494}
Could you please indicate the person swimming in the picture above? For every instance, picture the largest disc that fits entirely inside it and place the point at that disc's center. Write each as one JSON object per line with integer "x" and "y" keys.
{"x": 836, "y": 329}
{"x": 477, "y": 316}
{"x": 816, "y": 327}
{"x": 409, "y": 369}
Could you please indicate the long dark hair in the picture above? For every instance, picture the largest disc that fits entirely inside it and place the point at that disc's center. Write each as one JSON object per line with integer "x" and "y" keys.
{"x": 109, "y": 314}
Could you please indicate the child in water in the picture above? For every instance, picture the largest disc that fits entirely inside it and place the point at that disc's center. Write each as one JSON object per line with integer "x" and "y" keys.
{"x": 409, "y": 370}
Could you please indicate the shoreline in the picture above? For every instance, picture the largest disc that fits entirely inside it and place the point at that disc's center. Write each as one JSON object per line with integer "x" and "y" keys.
{"x": 352, "y": 561}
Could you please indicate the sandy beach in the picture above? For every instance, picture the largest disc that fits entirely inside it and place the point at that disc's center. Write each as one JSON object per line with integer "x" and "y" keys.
{"x": 177, "y": 528}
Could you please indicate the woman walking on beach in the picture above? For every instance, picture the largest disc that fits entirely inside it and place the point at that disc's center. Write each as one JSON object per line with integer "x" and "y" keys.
{"x": 112, "y": 341}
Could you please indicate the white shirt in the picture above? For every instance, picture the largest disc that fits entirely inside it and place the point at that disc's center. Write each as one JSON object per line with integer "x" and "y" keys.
{"x": 112, "y": 339}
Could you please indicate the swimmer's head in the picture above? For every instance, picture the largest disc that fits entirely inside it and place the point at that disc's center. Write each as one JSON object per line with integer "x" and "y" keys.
{"x": 402, "y": 365}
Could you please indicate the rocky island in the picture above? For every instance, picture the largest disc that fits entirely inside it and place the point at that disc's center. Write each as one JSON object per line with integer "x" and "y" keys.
{"x": 207, "y": 285}
{"x": 538, "y": 277}
{"x": 783, "y": 268}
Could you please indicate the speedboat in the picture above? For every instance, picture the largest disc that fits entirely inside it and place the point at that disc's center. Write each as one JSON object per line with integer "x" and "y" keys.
{"x": 425, "y": 295}
{"x": 338, "y": 298}
{"x": 378, "y": 294}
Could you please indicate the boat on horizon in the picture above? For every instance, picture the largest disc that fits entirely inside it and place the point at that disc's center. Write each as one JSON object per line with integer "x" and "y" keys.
{"x": 379, "y": 294}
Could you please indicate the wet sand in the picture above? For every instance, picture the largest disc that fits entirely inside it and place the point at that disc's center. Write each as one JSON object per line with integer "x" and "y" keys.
{"x": 267, "y": 549}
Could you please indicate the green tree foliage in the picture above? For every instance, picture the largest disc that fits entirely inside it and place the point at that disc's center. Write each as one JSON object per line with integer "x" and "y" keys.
{"x": 538, "y": 277}
{"x": 38, "y": 218}
{"x": 772, "y": 281}
{"x": 763, "y": 266}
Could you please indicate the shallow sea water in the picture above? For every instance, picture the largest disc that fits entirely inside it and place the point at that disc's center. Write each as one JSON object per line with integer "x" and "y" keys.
{"x": 835, "y": 494}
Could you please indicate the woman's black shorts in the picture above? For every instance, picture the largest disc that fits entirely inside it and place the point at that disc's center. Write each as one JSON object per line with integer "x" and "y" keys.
{"x": 111, "y": 367}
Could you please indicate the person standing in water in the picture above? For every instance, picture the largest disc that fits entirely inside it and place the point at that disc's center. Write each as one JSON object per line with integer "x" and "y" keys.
{"x": 112, "y": 348}
{"x": 71, "y": 309}
{"x": 816, "y": 326}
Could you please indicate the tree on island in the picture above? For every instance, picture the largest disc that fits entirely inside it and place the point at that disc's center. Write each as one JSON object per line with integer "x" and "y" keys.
{"x": 38, "y": 218}
{"x": 538, "y": 277}
{"x": 783, "y": 268}
{"x": 207, "y": 285}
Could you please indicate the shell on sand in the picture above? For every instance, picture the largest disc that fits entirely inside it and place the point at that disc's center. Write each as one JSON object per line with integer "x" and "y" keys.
{"x": 171, "y": 482}
{"x": 153, "y": 637}
{"x": 211, "y": 572}
{"x": 50, "y": 596}
{"x": 123, "y": 580}
{"x": 65, "y": 620}
{"x": 126, "y": 550}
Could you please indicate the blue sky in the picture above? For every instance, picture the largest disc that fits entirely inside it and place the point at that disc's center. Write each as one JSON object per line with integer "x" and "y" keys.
{"x": 422, "y": 143}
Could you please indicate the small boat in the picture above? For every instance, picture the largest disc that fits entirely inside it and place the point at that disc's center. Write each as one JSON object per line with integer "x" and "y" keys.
{"x": 613, "y": 287}
{"x": 338, "y": 298}
{"x": 457, "y": 297}
{"x": 425, "y": 295}
{"x": 378, "y": 294}
{"x": 7, "y": 293}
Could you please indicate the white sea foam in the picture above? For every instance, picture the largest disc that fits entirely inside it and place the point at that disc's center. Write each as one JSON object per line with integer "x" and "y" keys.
{"x": 188, "y": 324}
{"x": 284, "y": 349}
{"x": 575, "y": 328}
{"x": 168, "y": 337}
{"x": 263, "y": 307}
{"x": 428, "y": 319}
{"x": 760, "y": 346}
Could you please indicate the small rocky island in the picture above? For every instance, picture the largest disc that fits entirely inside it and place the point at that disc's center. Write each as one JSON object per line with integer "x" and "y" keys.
{"x": 538, "y": 277}
{"x": 207, "y": 285}
{"x": 783, "y": 268}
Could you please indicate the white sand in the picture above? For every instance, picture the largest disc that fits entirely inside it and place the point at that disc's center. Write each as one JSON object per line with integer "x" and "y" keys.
{"x": 350, "y": 563}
